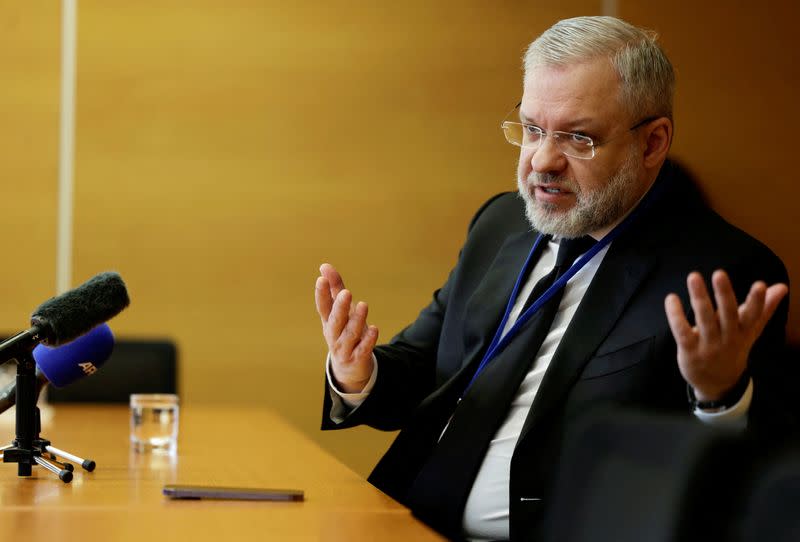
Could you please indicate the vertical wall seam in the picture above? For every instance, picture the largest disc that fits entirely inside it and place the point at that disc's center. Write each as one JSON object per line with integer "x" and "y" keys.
{"x": 66, "y": 150}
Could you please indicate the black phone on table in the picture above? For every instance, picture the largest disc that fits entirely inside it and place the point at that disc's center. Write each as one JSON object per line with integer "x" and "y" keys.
{"x": 179, "y": 491}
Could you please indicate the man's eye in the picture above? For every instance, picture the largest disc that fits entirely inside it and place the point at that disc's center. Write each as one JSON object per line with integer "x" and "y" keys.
{"x": 580, "y": 139}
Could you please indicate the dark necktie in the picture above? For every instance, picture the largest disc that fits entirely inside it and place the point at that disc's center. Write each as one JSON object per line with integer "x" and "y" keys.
{"x": 440, "y": 491}
{"x": 568, "y": 251}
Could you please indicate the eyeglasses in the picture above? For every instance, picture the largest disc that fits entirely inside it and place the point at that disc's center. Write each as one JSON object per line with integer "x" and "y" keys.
{"x": 574, "y": 145}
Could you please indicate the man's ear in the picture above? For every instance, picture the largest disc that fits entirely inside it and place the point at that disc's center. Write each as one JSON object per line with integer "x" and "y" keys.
{"x": 657, "y": 141}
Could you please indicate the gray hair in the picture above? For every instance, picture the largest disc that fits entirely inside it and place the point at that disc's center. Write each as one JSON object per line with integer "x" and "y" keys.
{"x": 646, "y": 76}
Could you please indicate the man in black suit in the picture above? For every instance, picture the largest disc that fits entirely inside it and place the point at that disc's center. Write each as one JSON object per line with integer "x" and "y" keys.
{"x": 483, "y": 385}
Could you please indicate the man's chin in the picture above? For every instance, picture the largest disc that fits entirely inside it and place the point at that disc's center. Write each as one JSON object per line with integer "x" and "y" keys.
{"x": 558, "y": 222}
{"x": 548, "y": 221}
{"x": 552, "y": 219}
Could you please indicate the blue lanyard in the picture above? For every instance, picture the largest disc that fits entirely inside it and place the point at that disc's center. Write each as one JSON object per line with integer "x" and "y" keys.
{"x": 500, "y": 341}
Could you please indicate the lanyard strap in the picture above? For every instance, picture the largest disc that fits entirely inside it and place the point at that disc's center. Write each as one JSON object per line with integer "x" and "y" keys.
{"x": 500, "y": 341}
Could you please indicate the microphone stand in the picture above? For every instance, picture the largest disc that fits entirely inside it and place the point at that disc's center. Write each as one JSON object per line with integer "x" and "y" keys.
{"x": 28, "y": 449}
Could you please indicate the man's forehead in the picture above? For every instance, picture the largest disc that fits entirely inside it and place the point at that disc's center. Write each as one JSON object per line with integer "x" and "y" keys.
{"x": 572, "y": 92}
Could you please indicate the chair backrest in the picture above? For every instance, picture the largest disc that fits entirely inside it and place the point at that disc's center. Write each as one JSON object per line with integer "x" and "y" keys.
{"x": 771, "y": 508}
{"x": 135, "y": 366}
{"x": 629, "y": 476}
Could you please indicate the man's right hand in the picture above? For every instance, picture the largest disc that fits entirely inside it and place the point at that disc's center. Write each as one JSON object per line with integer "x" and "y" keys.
{"x": 350, "y": 340}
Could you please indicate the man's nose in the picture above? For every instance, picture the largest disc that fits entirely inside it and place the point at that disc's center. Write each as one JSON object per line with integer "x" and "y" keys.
{"x": 548, "y": 158}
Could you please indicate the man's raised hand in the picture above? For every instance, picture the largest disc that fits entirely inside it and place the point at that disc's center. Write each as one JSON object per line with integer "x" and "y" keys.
{"x": 350, "y": 340}
{"x": 712, "y": 353}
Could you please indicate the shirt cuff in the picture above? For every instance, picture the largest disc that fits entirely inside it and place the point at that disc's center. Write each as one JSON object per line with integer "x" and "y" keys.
{"x": 733, "y": 416}
{"x": 343, "y": 404}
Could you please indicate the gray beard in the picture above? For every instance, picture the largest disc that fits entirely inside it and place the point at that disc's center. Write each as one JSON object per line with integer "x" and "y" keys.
{"x": 592, "y": 211}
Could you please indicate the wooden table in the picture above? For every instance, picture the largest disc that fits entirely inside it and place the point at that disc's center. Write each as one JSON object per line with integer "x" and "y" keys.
{"x": 122, "y": 500}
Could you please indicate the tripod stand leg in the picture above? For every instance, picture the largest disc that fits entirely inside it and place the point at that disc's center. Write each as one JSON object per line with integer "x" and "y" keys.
{"x": 87, "y": 464}
{"x": 61, "y": 464}
{"x": 63, "y": 474}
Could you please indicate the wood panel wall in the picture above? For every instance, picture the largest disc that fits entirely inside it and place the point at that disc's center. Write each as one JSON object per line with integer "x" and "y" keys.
{"x": 29, "y": 108}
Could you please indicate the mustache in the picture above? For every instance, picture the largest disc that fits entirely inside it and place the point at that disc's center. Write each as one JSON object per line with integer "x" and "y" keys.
{"x": 536, "y": 179}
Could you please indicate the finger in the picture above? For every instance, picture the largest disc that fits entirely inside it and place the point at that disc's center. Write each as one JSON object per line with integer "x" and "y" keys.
{"x": 339, "y": 316}
{"x": 352, "y": 332}
{"x": 727, "y": 306}
{"x": 685, "y": 336}
{"x": 775, "y": 295}
{"x": 366, "y": 344}
{"x": 364, "y": 331}
{"x": 334, "y": 278}
{"x": 322, "y": 298}
{"x": 705, "y": 318}
{"x": 772, "y": 299}
{"x": 750, "y": 311}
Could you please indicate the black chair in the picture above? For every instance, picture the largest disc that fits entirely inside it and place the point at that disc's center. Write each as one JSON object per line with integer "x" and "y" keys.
{"x": 135, "y": 366}
{"x": 629, "y": 476}
{"x": 773, "y": 502}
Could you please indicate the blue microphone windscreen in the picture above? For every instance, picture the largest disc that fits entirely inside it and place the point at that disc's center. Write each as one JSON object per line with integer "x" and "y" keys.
{"x": 69, "y": 362}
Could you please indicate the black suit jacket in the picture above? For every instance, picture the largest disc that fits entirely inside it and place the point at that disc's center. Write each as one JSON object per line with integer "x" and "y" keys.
{"x": 617, "y": 349}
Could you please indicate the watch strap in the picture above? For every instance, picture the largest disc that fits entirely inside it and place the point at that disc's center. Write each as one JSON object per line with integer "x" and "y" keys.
{"x": 733, "y": 396}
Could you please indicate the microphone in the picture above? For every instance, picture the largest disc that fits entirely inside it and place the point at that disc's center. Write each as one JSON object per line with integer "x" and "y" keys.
{"x": 67, "y": 316}
{"x": 63, "y": 365}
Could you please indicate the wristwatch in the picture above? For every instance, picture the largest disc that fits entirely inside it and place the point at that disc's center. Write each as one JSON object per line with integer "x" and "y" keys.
{"x": 733, "y": 396}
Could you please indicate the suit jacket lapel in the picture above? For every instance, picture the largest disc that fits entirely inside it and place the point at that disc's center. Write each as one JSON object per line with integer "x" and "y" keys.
{"x": 486, "y": 306}
{"x": 603, "y": 303}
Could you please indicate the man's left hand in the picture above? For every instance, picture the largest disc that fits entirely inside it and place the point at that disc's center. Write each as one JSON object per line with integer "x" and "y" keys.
{"x": 712, "y": 354}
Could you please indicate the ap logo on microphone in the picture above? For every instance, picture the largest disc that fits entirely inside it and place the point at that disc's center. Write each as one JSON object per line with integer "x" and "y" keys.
{"x": 88, "y": 368}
